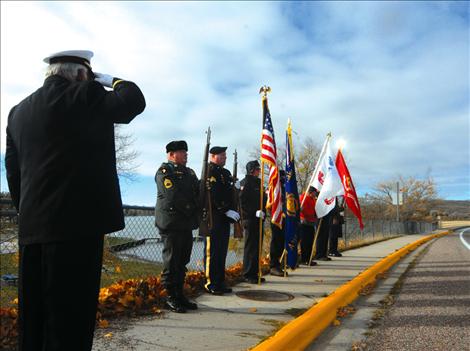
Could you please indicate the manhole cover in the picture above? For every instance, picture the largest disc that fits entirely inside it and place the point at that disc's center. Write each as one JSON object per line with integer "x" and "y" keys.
{"x": 264, "y": 295}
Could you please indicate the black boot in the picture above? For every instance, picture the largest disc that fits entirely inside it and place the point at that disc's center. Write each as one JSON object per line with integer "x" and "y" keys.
{"x": 186, "y": 303}
{"x": 173, "y": 304}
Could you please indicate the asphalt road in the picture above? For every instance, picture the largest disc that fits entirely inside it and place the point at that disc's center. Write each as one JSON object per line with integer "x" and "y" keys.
{"x": 432, "y": 309}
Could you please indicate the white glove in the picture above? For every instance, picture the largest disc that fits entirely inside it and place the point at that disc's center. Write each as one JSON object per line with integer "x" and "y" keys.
{"x": 237, "y": 185}
{"x": 233, "y": 215}
{"x": 260, "y": 214}
{"x": 104, "y": 79}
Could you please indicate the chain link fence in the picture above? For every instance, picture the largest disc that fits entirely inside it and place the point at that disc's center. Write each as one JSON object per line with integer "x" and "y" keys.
{"x": 136, "y": 251}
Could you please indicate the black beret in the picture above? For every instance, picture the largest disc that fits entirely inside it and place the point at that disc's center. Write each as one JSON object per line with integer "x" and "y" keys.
{"x": 176, "y": 146}
{"x": 215, "y": 150}
{"x": 251, "y": 166}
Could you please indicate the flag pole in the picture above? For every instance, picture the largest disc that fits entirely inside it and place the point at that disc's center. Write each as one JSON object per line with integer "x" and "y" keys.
{"x": 264, "y": 89}
{"x": 315, "y": 242}
{"x": 260, "y": 223}
{"x": 285, "y": 262}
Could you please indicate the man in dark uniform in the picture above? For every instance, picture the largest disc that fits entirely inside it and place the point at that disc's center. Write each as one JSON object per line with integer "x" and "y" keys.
{"x": 278, "y": 234}
{"x": 252, "y": 212}
{"x": 336, "y": 228}
{"x": 176, "y": 216}
{"x": 322, "y": 240}
{"x": 221, "y": 185}
{"x": 60, "y": 161}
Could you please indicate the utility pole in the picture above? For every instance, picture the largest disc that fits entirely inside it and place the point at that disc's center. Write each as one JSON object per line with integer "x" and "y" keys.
{"x": 398, "y": 201}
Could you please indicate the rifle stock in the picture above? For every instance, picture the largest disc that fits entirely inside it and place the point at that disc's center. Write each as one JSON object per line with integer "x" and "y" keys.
{"x": 237, "y": 226}
{"x": 205, "y": 223}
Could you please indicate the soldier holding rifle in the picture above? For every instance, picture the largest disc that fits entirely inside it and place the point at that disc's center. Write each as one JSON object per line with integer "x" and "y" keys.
{"x": 220, "y": 207}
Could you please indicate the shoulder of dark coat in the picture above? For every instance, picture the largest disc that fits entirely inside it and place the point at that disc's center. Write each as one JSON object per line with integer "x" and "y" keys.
{"x": 165, "y": 168}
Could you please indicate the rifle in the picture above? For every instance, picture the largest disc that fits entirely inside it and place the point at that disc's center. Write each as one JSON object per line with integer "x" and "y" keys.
{"x": 237, "y": 226}
{"x": 205, "y": 223}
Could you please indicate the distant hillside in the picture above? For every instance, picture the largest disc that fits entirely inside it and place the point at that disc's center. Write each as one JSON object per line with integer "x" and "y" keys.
{"x": 453, "y": 209}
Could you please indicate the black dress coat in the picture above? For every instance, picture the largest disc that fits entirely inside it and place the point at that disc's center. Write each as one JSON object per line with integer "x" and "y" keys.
{"x": 60, "y": 158}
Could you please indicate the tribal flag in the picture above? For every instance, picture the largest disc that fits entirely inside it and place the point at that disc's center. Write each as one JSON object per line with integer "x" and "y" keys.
{"x": 292, "y": 202}
{"x": 328, "y": 182}
{"x": 349, "y": 190}
{"x": 269, "y": 155}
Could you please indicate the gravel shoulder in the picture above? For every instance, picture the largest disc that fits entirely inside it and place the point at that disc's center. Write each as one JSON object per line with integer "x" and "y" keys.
{"x": 432, "y": 309}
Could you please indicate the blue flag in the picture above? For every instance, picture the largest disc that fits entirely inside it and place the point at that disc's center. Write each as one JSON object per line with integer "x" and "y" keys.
{"x": 292, "y": 203}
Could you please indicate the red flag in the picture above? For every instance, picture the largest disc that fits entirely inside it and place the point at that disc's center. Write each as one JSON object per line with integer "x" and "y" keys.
{"x": 349, "y": 191}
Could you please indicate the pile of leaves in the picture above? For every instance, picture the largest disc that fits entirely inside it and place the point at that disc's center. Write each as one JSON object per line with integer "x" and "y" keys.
{"x": 8, "y": 327}
{"x": 126, "y": 298}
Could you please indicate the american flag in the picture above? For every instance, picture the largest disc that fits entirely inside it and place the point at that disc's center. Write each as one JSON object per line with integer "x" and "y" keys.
{"x": 269, "y": 155}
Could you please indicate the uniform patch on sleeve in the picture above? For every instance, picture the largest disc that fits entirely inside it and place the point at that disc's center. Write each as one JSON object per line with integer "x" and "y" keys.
{"x": 168, "y": 183}
{"x": 212, "y": 179}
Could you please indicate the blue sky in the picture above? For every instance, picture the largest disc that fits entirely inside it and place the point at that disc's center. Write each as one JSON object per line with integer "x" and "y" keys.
{"x": 391, "y": 78}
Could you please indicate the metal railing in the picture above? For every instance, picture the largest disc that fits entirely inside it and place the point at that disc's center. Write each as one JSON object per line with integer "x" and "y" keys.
{"x": 136, "y": 251}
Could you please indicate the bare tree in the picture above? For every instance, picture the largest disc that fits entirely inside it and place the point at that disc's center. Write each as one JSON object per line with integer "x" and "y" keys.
{"x": 126, "y": 155}
{"x": 418, "y": 197}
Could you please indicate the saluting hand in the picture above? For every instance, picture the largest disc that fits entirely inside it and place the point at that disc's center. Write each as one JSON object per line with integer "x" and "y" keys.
{"x": 104, "y": 79}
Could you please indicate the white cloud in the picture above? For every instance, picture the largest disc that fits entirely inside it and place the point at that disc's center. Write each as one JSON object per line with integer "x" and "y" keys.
{"x": 391, "y": 78}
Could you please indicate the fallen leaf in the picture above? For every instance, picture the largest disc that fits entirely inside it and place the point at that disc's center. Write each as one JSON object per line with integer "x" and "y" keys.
{"x": 336, "y": 323}
{"x": 253, "y": 309}
{"x": 109, "y": 335}
{"x": 103, "y": 323}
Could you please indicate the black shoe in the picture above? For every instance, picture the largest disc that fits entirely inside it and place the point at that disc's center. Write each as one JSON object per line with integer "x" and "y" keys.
{"x": 313, "y": 263}
{"x": 214, "y": 291}
{"x": 174, "y": 305}
{"x": 335, "y": 254}
{"x": 226, "y": 290}
{"x": 277, "y": 272}
{"x": 323, "y": 259}
{"x": 186, "y": 303}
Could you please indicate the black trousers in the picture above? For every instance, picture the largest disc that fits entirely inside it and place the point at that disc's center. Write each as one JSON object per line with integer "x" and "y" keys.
{"x": 251, "y": 248}
{"x": 58, "y": 294}
{"x": 177, "y": 247}
{"x": 335, "y": 233}
{"x": 307, "y": 233}
{"x": 277, "y": 245}
{"x": 322, "y": 240}
{"x": 215, "y": 253}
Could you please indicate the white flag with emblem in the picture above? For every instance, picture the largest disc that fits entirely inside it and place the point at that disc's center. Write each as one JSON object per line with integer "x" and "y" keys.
{"x": 329, "y": 180}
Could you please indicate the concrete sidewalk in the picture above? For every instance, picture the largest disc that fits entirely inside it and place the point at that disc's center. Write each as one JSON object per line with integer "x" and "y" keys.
{"x": 232, "y": 323}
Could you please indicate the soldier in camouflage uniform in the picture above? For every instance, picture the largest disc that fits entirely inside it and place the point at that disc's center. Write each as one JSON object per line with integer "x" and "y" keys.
{"x": 176, "y": 216}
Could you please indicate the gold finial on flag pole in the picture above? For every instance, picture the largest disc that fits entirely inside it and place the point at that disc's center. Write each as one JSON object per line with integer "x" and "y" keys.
{"x": 265, "y": 90}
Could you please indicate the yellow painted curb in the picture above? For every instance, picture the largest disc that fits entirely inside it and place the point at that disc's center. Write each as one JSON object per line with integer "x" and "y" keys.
{"x": 299, "y": 333}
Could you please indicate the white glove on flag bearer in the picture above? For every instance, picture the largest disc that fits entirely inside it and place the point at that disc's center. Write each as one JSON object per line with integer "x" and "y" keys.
{"x": 330, "y": 182}
{"x": 233, "y": 215}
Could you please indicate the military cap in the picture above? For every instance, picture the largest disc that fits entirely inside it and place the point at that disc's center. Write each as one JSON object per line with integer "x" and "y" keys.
{"x": 251, "y": 166}
{"x": 82, "y": 57}
{"x": 215, "y": 150}
{"x": 176, "y": 146}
